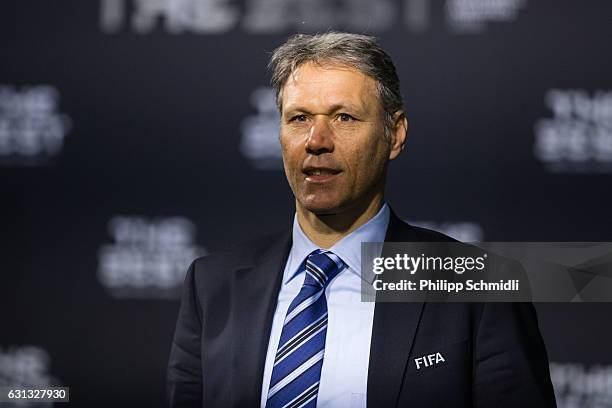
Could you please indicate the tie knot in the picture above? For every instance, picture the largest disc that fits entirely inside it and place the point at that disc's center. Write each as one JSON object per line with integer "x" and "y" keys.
{"x": 322, "y": 267}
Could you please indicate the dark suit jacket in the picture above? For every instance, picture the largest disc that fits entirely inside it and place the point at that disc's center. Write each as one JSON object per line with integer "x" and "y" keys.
{"x": 494, "y": 353}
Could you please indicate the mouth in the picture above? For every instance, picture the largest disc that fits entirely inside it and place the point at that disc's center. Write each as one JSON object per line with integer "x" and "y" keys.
{"x": 319, "y": 174}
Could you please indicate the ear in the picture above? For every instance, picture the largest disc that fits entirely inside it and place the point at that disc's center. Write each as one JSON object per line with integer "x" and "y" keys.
{"x": 398, "y": 135}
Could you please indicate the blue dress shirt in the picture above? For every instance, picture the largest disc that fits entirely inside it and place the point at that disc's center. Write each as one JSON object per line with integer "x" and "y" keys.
{"x": 344, "y": 375}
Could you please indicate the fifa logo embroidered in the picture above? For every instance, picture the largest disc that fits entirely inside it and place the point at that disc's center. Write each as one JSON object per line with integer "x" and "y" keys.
{"x": 428, "y": 360}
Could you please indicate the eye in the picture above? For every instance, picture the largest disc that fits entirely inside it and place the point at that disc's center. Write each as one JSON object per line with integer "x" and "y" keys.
{"x": 298, "y": 118}
{"x": 345, "y": 117}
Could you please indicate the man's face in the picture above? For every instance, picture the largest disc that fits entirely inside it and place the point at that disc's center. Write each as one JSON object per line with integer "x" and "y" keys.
{"x": 332, "y": 138}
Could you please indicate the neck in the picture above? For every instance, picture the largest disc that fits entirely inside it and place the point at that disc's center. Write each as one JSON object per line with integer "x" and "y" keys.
{"x": 325, "y": 230}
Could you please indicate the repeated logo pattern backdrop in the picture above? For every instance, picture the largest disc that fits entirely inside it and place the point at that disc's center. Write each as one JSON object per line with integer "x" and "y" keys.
{"x": 136, "y": 135}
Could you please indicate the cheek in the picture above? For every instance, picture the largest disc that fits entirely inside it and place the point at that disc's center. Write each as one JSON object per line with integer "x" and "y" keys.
{"x": 369, "y": 162}
{"x": 291, "y": 152}
{"x": 286, "y": 147}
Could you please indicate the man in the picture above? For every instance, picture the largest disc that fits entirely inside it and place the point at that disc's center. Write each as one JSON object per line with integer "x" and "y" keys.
{"x": 279, "y": 321}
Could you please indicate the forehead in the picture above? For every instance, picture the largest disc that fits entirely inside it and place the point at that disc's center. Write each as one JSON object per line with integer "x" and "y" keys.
{"x": 313, "y": 86}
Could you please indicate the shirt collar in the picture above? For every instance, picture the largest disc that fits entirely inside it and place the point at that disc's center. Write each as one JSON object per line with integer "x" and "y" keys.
{"x": 348, "y": 248}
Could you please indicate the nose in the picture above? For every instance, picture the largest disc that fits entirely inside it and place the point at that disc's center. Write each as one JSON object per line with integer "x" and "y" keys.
{"x": 319, "y": 137}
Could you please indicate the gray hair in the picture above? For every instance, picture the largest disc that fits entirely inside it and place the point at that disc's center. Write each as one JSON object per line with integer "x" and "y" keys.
{"x": 361, "y": 52}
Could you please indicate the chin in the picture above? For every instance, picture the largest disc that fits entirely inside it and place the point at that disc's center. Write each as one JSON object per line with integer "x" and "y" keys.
{"x": 323, "y": 207}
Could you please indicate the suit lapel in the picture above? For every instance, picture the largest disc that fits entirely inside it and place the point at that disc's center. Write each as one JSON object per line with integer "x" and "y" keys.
{"x": 255, "y": 295}
{"x": 393, "y": 332}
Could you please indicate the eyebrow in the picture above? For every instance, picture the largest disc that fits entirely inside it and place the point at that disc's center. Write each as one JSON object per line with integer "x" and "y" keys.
{"x": 333, "y": 108}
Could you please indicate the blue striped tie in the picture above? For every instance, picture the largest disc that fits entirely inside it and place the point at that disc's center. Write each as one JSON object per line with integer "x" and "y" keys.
{"x": 299, "y": 357}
